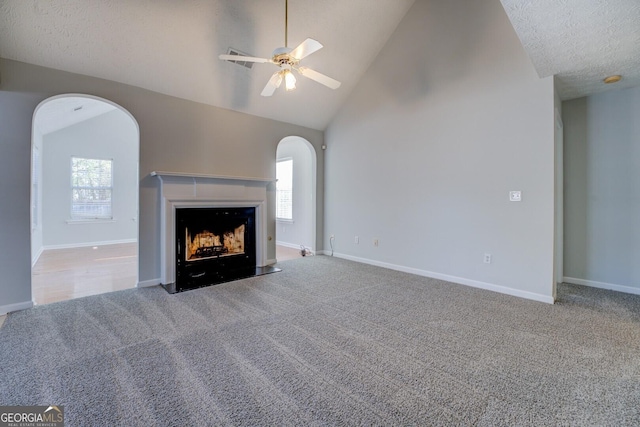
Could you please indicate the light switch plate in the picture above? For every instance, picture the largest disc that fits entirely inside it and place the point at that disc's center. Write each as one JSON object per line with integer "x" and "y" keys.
{"x": 515, "y": 196}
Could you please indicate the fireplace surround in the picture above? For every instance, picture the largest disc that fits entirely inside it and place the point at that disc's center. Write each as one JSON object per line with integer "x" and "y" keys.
{"x": 183, "y": 192}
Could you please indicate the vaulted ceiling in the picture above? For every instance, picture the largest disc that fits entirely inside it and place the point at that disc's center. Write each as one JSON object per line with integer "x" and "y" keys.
{"x": 172, "y": 47}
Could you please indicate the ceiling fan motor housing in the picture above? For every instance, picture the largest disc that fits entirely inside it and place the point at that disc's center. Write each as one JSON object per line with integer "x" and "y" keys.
{"x": 281, "y": 56}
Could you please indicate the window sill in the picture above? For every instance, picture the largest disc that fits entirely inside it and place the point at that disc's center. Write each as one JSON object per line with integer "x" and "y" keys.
{"x": 284, "y": 221}
{"x": 90, "y": 221}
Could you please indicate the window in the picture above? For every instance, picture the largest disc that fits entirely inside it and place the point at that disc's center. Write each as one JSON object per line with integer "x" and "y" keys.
{"x": 91, "y": 188}
{"x": 284, "y": 189}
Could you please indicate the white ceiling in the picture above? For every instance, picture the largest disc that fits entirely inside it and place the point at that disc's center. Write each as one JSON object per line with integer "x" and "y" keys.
{"x": 580, "y": 41}
{"x": 66, "y": 111}
{"x": 172, "y": 47}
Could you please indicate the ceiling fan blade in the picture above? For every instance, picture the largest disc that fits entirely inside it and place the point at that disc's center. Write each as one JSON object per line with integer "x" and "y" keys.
{"x": 305, "y": 48}
{"x": 274, "y": 83}
{"x": 243, "y": 58}
{"x": 319, "y": 77}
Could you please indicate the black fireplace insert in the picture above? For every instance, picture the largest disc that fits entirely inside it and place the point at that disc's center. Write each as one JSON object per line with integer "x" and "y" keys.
{"x": 214, "y": 245}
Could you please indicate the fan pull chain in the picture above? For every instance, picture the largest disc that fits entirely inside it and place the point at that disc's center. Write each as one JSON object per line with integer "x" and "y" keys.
{"x": 286, "y": 22}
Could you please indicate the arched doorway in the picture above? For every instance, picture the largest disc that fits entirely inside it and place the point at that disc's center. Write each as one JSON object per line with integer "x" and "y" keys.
{"x": 296, "y": 218}
{"x": 84, "y": 198}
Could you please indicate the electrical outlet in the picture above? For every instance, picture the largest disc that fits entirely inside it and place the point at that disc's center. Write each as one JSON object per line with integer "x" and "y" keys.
{"x": 332, "y": 237}
{"x": 487, "y": 258}
{"x": 375, "y": 242}
{"x": 356, "y": 240}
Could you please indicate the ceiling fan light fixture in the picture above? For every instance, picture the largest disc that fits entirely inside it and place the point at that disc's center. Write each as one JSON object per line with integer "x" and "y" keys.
{"x": 289, "y": 80}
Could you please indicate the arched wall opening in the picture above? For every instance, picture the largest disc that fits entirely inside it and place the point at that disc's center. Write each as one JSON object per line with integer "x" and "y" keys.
{"x": 84, "y": 197}
{"x": 300, "y": 230}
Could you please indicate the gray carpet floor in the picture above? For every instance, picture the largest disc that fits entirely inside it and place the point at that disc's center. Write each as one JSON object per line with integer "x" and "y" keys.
{"x": 328, "y": 342}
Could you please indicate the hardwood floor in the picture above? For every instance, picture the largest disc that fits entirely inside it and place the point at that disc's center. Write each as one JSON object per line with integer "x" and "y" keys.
{"x": 284, "y": 253}
{"x": 63, "y": 274}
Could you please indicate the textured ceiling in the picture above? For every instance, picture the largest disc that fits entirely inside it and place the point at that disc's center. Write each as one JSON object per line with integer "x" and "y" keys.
{"x": 172, "y": 46}
{"x": 580, "y": 41}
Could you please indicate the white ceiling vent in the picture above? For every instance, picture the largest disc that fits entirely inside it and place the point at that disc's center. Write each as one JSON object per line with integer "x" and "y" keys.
{"x": 245, "y": 64}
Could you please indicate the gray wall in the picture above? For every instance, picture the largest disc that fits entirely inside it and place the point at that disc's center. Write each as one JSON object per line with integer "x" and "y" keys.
{"x": 16, "y": 110}
{"x": 300, "y": 231}
{"x": 602, "y": 190}
{"x": 113, "y": 135}
{"x": 449, "y": 118}
{"x": 175, "y": 135}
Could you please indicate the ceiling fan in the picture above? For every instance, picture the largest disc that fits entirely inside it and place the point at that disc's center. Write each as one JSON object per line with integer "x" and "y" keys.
{"x": 288, "y": 59}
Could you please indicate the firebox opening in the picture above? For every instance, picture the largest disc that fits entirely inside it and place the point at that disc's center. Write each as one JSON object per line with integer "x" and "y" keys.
{"x": 206, "y": 244}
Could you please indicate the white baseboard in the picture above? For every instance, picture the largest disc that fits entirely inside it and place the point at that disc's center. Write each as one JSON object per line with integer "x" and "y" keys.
{"x": 271, "y": 261}
{"x": 454, "y": 279}
{"x": 602, "y": 285}
{"x": 287, "y": 245}
{"x": 4, "y": 309}
{"x": 148, "y": 283}
{"x": 82, "y": 245}
{"x": 293, "y": 246}
{"x": 37, "y": 257}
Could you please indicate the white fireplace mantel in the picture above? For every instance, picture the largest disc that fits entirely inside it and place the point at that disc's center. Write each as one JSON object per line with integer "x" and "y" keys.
{"x": 162, "y": 175}
{"x": 187, "y": 190}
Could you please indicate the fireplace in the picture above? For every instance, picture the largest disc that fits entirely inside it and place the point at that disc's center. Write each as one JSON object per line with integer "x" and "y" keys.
{"x": 214, "y": 245}
{"x": 228, "y": 235}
